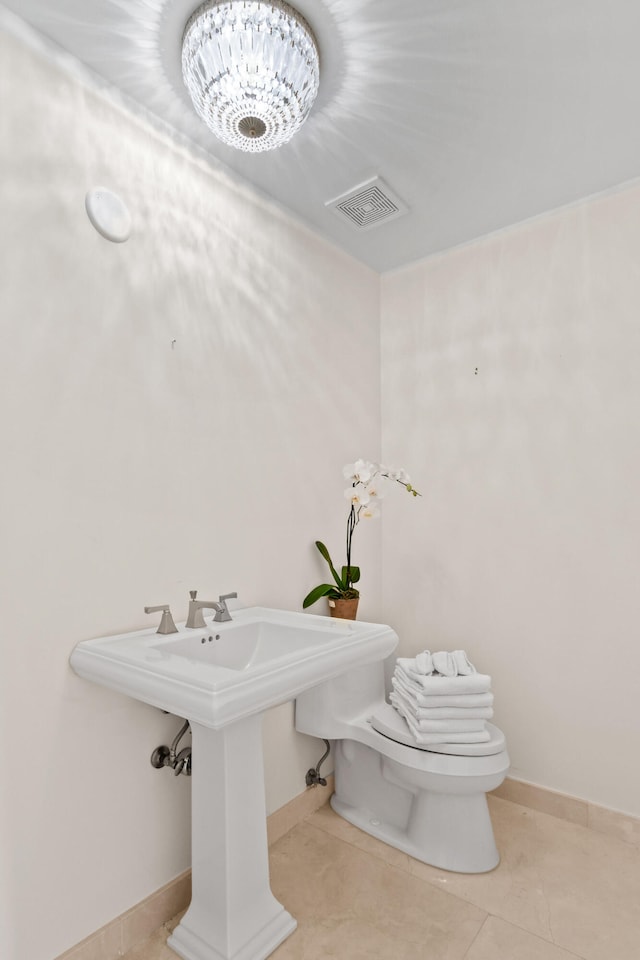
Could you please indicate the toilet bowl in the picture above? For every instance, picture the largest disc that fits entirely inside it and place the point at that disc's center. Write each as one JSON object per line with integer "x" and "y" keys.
{"x": 428, "y": 802}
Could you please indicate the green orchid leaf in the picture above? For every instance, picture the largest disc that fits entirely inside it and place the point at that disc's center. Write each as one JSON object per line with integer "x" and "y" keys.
{"x": 323, "y": 590}
{"x": 350, "y": 574}
{"x": 342, "y": 584}
{"x": 323, "y": 550}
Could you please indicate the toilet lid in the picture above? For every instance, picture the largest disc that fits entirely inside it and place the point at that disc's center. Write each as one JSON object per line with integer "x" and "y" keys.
{"x": 387, "y": 721}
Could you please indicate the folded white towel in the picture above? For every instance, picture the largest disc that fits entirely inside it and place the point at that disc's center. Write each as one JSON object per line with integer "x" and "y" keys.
{"x": 446, "y": 712}
{"x": 467, "y": 701}
{"x": 453, "y": 713}
{"x": 464, "y": 667}
{"x": 468, "y": 725}
{"x": 444, "y": 663}
{"x": 424, "y": 663}
{"x": 481, "y": 736}
{"x": 474, "y": 683}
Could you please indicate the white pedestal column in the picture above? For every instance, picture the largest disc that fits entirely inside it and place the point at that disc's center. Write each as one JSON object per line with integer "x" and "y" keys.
{"x": 233, "y": 914}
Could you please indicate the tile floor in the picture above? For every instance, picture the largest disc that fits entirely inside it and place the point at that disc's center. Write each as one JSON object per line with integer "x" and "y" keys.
{"x": 561, "y": 892}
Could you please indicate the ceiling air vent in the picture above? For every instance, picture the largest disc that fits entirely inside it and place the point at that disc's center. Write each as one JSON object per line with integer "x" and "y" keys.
{"x": 368, "y": 205}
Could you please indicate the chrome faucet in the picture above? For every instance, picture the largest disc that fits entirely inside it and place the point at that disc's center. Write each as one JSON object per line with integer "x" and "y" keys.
{"x": 195, "y": 617}
{"x": 222, "y": 612}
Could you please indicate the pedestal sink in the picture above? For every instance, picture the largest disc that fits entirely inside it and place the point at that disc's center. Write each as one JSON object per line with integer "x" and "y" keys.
{"x": 221, "y": 678}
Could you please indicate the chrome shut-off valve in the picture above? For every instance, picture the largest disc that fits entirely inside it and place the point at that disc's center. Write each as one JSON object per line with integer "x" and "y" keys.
{"x": 169, "y": 757}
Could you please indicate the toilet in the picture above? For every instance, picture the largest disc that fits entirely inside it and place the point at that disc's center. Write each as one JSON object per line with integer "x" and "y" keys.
{"x": 429, "y": 802}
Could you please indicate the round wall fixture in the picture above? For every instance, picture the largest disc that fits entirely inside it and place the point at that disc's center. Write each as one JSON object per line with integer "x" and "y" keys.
{"x": 109, "y": 214}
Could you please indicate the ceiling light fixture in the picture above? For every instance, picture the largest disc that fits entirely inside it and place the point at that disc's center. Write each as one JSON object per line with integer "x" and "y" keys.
{"x": 252, "y": 70}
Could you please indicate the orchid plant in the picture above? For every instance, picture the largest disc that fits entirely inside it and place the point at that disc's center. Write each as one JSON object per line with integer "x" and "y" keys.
{"x": 368, "y": 484}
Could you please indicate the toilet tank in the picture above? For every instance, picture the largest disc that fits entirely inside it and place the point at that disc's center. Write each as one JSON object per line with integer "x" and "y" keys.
{"x": 328, "y": 710}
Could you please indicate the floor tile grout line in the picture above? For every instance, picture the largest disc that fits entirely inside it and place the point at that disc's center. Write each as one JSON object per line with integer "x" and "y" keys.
{"x": 478, "y": 932}
{"x": 376, "y": 856}
{"x": 535, "y": 936}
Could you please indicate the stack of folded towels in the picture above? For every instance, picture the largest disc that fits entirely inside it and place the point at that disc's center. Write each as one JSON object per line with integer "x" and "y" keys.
{"x": 442, "y": 698}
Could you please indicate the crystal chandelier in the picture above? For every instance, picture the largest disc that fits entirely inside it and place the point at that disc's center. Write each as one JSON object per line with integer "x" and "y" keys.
{"x": 252, "y": 70}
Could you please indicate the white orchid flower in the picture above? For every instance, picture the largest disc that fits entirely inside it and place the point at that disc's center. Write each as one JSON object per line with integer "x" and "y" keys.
{"x": 376, "y": 488}
{"x": 359, "y": 472}
{"x": 370, "y": 511}
{"x": 357, "y": 495}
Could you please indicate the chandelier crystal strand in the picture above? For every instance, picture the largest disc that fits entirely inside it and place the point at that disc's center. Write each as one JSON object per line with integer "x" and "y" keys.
{"x": 252, "y": 70}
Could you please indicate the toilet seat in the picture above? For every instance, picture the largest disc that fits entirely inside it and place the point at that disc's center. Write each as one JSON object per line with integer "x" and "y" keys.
{"x": 388, "y": 722}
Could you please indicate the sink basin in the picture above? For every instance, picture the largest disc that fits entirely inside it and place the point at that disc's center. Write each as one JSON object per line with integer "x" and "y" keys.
{"x": 227, "y": 671}
{"x": 245, "y": 646}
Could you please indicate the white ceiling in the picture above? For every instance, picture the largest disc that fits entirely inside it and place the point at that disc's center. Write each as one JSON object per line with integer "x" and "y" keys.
{"x": 477, "y": 113}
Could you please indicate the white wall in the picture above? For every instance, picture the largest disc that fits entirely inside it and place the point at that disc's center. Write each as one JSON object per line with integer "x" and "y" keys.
{"x": 511, "y": 392}
{"x": 134, "y": 470}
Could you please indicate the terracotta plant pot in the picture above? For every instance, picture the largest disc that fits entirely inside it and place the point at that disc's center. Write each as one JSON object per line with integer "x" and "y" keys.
{"x": 345, "y": 609}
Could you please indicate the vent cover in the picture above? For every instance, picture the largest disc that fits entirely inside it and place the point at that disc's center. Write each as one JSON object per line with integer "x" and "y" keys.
{"x": 368, "y": 205}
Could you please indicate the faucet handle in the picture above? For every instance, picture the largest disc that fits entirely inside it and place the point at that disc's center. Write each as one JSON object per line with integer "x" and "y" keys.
{"x": 166, "y": 623}
{"x": 222, "y": 611}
